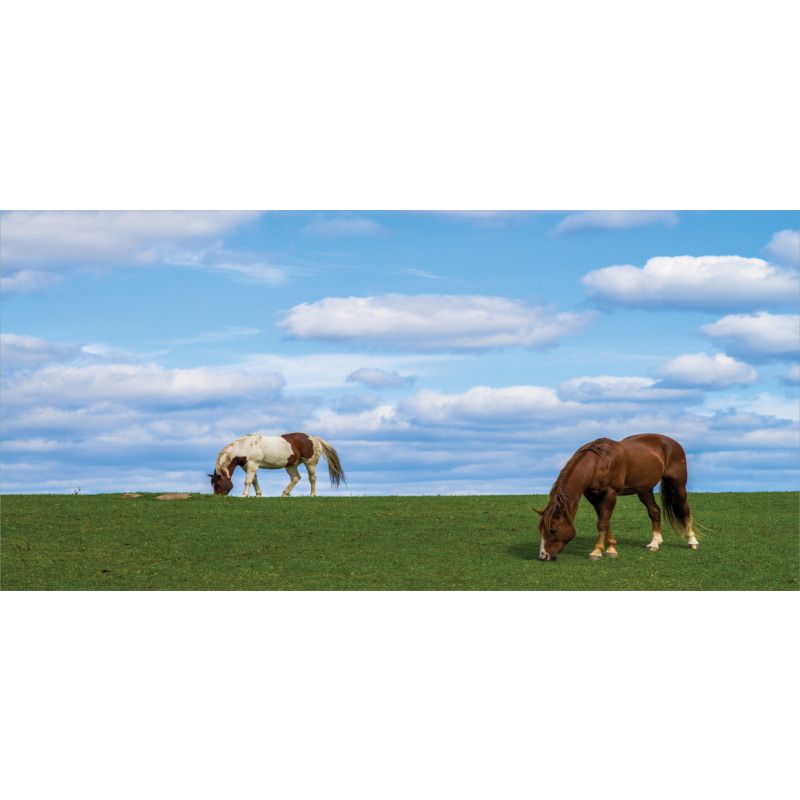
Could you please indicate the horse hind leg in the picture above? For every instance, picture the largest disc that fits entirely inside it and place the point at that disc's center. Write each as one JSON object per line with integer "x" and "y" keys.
{"x": 312, "y": 477}
{"x": 654, "y": 512}
{"x": 674, "y": 498}
{"x": 691, "y": 539}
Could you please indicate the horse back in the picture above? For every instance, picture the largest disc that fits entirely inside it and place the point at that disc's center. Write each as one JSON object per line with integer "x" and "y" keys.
{"x": 302, "y": 444}
{"x": 651, "y": 456}
{"x": 268, "y": 452}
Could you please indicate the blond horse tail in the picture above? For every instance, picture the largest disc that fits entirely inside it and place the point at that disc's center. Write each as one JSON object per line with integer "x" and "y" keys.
{"x": 334, "y": 465}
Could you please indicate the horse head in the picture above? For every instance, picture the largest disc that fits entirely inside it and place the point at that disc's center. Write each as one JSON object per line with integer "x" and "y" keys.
{"x": 220, "y": 483}
{"x": 556, "y": 531}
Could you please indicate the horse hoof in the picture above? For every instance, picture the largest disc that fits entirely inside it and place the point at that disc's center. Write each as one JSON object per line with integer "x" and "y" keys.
{"x": 595, "y": 557}
{"x": 651, "y": 549}
{"x": 693, "y": 547}
{"x": 611, "y": 555}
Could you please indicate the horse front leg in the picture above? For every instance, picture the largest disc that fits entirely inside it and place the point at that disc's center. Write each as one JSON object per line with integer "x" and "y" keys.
{"x": 295, "y": 477}
{"x": 604, "y": 507}
{"x": 251, "y": 478}
{"x": 597, "y": 553}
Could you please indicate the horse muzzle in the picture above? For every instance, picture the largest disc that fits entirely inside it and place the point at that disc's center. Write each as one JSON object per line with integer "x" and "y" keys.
{"x": 544, "y": 555}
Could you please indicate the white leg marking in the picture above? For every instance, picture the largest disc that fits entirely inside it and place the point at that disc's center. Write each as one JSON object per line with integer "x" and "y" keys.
{"x": 657, "y": 539}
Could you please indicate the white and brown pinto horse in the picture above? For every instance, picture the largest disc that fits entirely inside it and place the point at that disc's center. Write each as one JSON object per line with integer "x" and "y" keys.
{"x": 288, "y": 451}
{"x": 603, "y": 470}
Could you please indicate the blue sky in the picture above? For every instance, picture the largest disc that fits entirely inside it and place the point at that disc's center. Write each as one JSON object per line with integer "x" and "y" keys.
{"x": 439, "y": 352}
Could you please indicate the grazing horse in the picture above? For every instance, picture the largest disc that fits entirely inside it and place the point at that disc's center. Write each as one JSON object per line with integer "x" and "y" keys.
{"x": 604, "y": 469}
{"x": 287, "y": 451}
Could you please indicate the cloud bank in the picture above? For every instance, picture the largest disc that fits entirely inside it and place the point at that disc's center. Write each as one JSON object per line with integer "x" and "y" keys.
{"x": 64, "y": 418}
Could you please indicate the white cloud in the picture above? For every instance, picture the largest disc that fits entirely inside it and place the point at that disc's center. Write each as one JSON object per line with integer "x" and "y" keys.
{"x": 419, "y": 273}
{"x": 380, "y": 378}
{"x": 612, "y": 389}
{"x": 343, "y": 226}
{"x": 705, "y": 282}
{"x": 108, "y": 237}
{"x": 484, "y": 219}
{"x": 252, "y": 272}
{"x": 29, "y": 351}
{"x": 27, "y": 280}
{"x": 433, "y": 322}
{"x": 760, "y": 335}
{"x": 485, "y": 405}
{"x": 703, "y": 371}
{"x": 613, "y": 220}
{"x": 39, "y": 247}
{"x": 315, "y": 371}
{"x": 793, "y": 375}
{"x": 784, "y": 247}
{"x": 135, "y": 384}
{"x": 240, "y": 266}
{"x": 226, "y": 335}
{"x": 733, "y": 412}
{"x": 766, "y": 404}
{"x": 380, "y": 420}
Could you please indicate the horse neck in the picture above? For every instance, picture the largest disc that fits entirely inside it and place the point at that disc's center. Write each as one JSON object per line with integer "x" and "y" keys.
{"x": 571, "y": 484}
{"x": 224, "y": 460}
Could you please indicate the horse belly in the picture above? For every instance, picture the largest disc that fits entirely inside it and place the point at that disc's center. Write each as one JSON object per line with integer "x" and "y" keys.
{"x": 272, "y": 452}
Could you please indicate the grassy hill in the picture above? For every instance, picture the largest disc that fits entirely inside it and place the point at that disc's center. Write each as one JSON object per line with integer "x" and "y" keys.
{"x": 95, "y": 542}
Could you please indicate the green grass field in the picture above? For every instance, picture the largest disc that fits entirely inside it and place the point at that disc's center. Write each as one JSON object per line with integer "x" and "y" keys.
{"x": 73, "y": 542}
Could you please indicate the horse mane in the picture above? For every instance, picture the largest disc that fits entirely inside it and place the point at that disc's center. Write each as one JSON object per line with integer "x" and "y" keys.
{"x": 227, "y": 462}
{"x": 560, "y": 500}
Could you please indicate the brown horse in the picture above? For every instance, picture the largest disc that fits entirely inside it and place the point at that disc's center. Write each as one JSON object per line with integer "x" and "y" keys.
{"x": 603, "y": 470}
